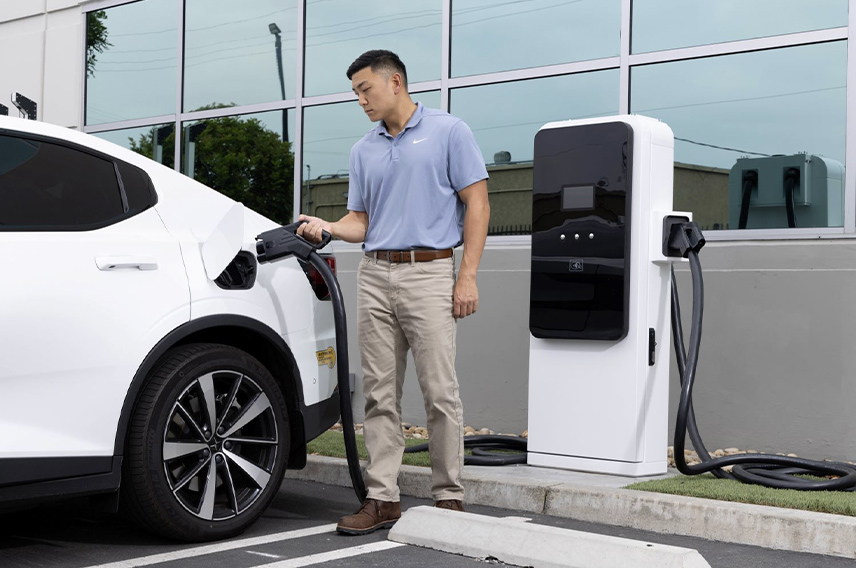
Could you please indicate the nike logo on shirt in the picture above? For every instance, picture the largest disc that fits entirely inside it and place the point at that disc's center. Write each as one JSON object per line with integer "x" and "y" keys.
{"x": 420, "y": 140}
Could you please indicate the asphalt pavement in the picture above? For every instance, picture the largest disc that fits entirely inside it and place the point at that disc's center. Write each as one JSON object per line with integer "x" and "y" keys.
{"x": 298, "y": 530}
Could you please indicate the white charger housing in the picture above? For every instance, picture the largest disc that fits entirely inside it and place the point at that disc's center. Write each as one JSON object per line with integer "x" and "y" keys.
{"x": 599, "y": 303}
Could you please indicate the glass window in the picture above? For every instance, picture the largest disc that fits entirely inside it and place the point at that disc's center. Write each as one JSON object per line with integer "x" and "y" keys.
{"x": 505, "y": 131}
{"x": 670, "y": 24}
{"x": 131, "y": 59}
{"x": 138, "y": 188}
{"x": 765, "y": 111}
{"x": 338, "y": 31}
{"x": 246, "y": 158}
{"x": 512, "y": 34}
{"x": 239, "y": 53}
{"x": 329, "y": 132}
{"x": 154, "y": 142}
{"x": 46, "y": 186}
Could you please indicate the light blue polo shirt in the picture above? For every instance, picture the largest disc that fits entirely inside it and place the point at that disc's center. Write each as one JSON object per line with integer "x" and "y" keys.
{"x": 408, "y": 185}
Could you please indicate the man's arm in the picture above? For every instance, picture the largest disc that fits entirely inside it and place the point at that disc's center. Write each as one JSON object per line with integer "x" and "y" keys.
{"x": 351, "y": 228}
{"x": 466, "y": 295}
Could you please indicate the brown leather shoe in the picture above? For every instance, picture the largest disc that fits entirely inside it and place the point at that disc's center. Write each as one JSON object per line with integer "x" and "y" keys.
{"x": 451, "y": 504}
{"x": 373, "y": 515}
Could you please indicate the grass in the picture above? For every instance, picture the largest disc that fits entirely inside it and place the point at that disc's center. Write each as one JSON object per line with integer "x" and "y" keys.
{"x": 705, "y": 486}
{"x": 332, "y": 444}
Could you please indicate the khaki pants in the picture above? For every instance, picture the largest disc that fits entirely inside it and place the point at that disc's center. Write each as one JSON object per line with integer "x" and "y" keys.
{"x": 403, "y": 306}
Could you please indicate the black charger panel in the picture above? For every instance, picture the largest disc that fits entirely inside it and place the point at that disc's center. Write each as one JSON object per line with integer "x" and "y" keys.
{"x": 580, "y": 280}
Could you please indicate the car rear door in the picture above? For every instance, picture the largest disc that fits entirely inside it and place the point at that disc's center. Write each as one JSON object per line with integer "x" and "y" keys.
{"x": 91, "y": 281}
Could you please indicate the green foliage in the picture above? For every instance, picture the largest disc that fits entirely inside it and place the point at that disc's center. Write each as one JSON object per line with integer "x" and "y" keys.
{"x": 145, "y": 145}
{"x": 247, "y": 162}
{"x": 96, "y": 39}
{"x": 332, "y": 444}
{"x": 709, "y": 487}
{"x": 240, "y": 158}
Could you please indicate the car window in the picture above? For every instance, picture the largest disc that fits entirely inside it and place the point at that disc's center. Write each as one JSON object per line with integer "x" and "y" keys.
{"x": 138, "y": 188}
{"x": 46, "y": 186}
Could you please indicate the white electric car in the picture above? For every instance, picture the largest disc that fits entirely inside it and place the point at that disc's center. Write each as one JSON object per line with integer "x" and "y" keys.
{"x": 145, "y": 355}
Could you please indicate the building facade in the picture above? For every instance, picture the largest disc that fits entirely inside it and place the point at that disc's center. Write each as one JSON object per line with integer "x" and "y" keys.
{"x": 251, "y": 98}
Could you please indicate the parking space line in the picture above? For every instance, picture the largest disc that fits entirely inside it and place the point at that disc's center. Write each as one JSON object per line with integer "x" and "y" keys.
{"x": 265, "y": 554}
{"x": 334, "y": 555}
{"x": 218, "y": 547}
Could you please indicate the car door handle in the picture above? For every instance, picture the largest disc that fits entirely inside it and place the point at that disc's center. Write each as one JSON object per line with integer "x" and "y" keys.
{"x": 120, "y": 262}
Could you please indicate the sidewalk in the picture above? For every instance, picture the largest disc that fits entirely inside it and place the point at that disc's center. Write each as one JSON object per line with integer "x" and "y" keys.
{"x": 601, "y": 499}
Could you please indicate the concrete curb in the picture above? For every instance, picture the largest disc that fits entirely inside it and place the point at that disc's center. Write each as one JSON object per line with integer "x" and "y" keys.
{"x": 543, "y": 491}
{"x": 515, "y": 541}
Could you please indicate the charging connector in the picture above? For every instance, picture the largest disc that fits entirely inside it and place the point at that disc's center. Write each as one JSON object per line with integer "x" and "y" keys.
{"x": 283, "y": 241}
{"x": 680, "y": 236}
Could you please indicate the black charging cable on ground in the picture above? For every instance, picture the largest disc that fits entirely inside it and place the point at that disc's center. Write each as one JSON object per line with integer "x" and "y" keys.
{"x": 284, "y": 241}
{"x": 488, "y": 449}
{"x": 780, "y": 472}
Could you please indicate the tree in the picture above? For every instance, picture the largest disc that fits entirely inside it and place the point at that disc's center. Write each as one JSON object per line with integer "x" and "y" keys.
{"x": 240, "y": 158}
{"x": 96, "y": 39}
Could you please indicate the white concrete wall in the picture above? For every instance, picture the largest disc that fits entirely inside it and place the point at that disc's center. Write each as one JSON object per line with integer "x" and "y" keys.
{"x": 41, "y": 42}
{"x": 777, "y": 370}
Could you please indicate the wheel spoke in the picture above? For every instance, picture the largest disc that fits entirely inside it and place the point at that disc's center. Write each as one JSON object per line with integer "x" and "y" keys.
{"x": 179, "y": 485}
{"x": 188, "y": 417}
{"x": 260, "y": 476}
{"x": 172, "y": 450}
{"x": 230, "y": 486}
{"x": 248, "y": 440}
{"x": 206, "y": 508}
{"x": 206, "y": 386}
{"x": 258, "y": 406}
{"x": 233, "y": 394}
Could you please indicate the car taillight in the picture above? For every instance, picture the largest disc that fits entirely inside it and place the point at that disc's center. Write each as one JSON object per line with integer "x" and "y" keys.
{"x": 317, "y": 281}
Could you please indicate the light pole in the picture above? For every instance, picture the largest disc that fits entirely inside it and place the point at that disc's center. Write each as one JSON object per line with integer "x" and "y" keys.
{"x": 274, "y": 29}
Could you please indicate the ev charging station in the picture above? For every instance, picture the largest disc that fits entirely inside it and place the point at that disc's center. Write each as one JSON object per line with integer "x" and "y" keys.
{"x": 797, "y": 190}
{"x": 599, "y": 316}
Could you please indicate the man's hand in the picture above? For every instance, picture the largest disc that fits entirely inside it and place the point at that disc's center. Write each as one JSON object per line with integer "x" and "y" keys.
{"x": 311, "y": 230}
{"x": 466, "y": 297}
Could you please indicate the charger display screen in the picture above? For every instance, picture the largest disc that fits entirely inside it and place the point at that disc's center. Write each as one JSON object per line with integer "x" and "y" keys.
{"x": 577, "y": 197}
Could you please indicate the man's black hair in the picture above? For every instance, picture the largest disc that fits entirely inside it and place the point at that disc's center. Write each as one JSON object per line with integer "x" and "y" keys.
{"x": 379, "y": 60}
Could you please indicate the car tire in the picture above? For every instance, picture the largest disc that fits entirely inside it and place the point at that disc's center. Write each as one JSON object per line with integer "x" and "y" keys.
{"x": 189, "y": 477}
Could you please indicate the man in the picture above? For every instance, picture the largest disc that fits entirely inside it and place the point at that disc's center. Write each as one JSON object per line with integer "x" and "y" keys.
{"x": 417, "y": 189}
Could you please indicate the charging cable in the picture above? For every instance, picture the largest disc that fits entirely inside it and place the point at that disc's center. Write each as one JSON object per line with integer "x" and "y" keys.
{"x": 780, "y": 472}
{"x": 282, "y": 242}
{"x": 488, "y": 449}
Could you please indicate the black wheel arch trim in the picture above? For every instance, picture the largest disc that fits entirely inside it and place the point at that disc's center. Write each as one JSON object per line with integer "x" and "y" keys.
{"x": 210, "y": 329}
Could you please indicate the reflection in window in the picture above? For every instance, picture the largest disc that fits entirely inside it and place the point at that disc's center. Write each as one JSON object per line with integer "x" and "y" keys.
{"x": 505, "y": 131}
{"x": 131, "y": 59}
{"x": 46, "y": 186}
{"x": 731, "y": 114}
{"x": 329, "y": 132}
{"x": 240, "y": 53}
{"x": 153, "y": 142}
{"x": 670, "y": 24}
{"x": 338, "y": 31}
{"x": 243, "y": 157}
{"x": 513, "y": 34}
